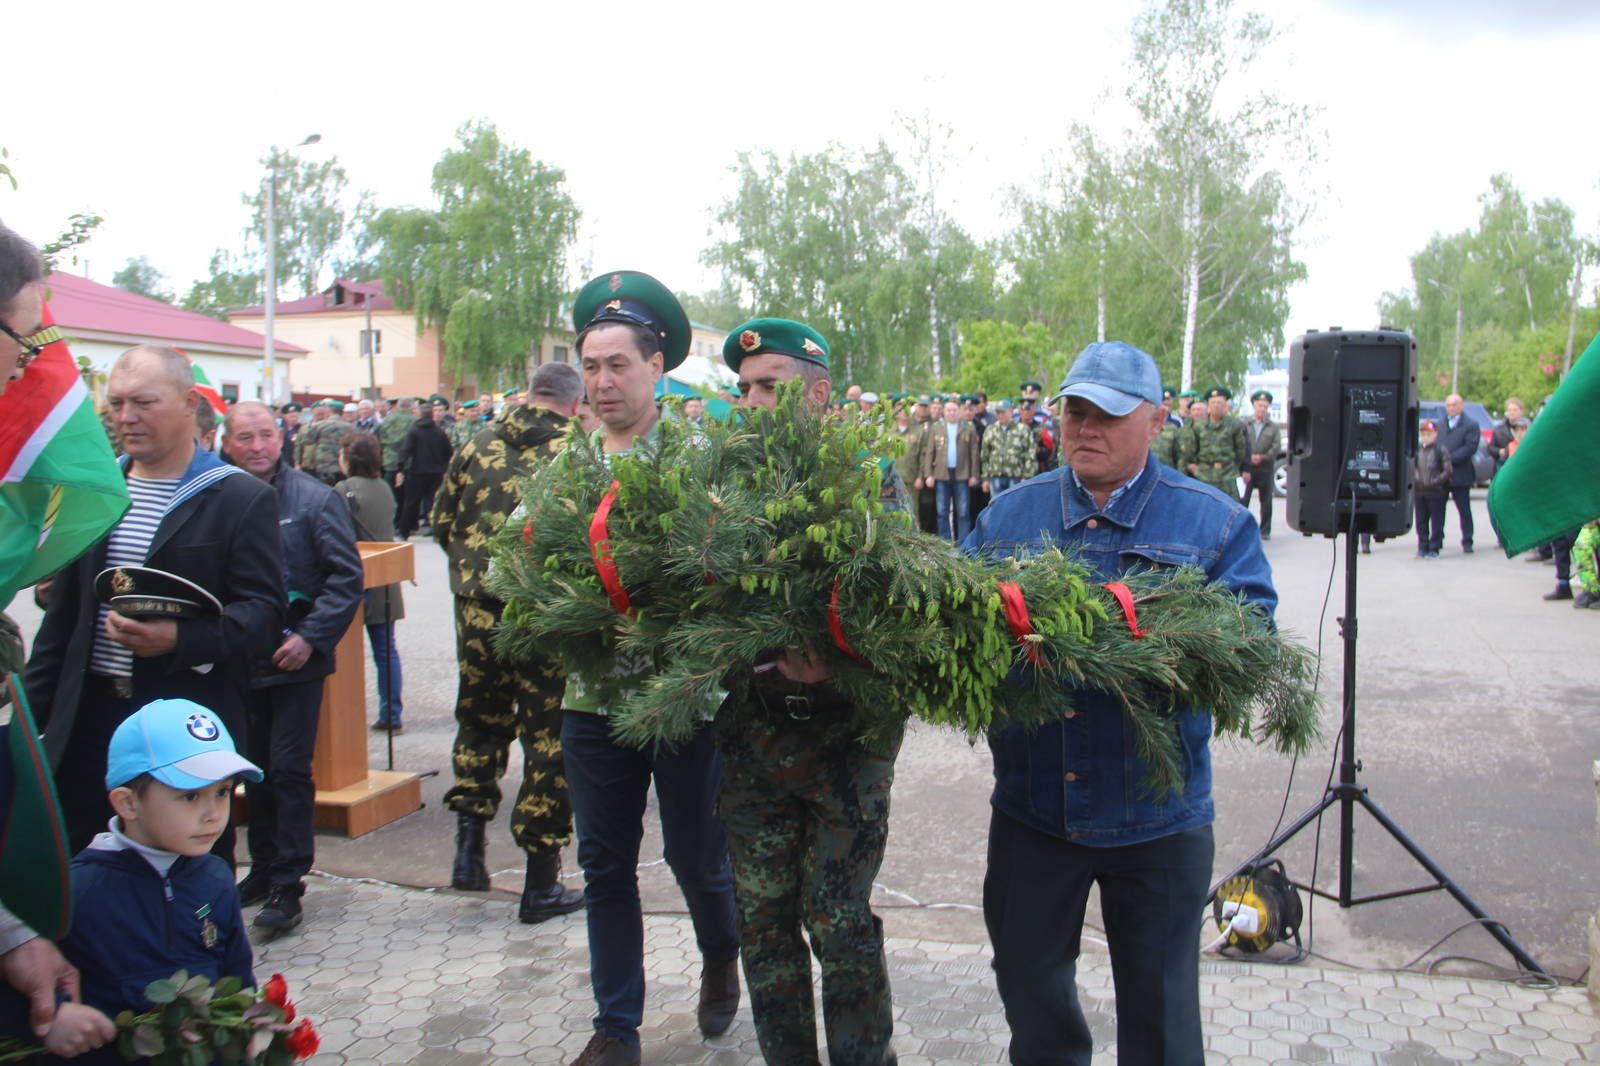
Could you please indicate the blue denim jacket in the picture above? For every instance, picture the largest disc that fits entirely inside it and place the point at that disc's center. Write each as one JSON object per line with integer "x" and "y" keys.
{"x": 1079, "y": 778}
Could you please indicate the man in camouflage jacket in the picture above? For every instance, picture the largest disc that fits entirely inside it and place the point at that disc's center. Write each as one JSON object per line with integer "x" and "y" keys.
{"x": 1213, "y": 449}
{"x": 498, "y": 701}
{"x": 317, "y": 445}
{"x": 391, "y": 431}
{"x": 1009, "y": 454}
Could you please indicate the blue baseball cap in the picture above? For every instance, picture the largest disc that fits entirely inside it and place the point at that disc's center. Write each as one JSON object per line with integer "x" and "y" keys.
{"x": 1113, "y": 376}
{"x": 177, "y": 742}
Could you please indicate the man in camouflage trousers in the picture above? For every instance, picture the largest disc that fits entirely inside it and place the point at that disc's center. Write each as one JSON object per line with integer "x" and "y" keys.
{"x": 1213, "y": 449}
{"x": 317, "y": 446}
{"x": 391, "y": 431}
{"x": 1165, "y": 446}
{"x": 1009, "y": 451}
{"x": 498, "y": 701}
{"x": 804, "y": 805}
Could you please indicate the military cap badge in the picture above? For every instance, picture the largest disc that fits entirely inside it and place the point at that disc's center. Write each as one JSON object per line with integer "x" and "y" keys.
{"x": 750, "y": 340}
{"x": 810, "y": 346}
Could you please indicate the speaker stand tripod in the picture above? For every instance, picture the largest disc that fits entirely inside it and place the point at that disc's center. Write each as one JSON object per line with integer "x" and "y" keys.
{"x": 1347, "y": 794}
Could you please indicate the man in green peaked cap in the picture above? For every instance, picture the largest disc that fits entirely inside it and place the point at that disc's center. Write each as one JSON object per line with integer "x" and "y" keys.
{"x": 1213, "y": 450}
{"x": 804, "y": 804}
{"x": 631, "y": 330}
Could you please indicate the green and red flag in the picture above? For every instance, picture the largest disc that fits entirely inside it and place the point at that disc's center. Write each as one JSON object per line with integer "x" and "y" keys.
{"x": 1548, "y": 487}
{"x": 203, "y": 386}
{"x": 60, "y": 487}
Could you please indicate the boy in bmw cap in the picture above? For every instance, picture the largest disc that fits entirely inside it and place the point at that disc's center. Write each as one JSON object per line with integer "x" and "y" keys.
{"x": 149, "y": 898}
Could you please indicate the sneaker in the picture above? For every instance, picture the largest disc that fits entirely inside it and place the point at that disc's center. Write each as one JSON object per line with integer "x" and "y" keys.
{"x": 282, "y": 911}
{"x": 603, "y": 1050}
{"x": 255, "y": 888}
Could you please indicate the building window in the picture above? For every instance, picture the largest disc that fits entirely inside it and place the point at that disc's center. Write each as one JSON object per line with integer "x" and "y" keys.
{"x": 230, "y": 392}
{"x": 559, "y": 354}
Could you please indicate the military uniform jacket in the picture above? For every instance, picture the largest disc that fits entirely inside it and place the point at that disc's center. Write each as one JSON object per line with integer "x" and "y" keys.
{"x": 391, "y": 431}
{"x": 1217, "y": 449}
{"x": 317, "y": 450}
{"x": 1263, "y": 441}
{"x": 1165, "y": 447}
{"x": 1010, "y": 451}
{"x": 480, "y": 489}
{"x": 909, "y": 464}
{"x": 935, "y": 453}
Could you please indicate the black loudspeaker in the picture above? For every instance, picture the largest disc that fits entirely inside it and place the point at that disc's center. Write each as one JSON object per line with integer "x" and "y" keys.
{"x": 1352, "y": 432}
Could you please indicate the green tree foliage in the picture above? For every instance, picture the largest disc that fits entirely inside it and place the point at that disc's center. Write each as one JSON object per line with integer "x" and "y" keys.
{"x": 830, "y": 239}
{"x": 487, "y": 265}
{"x": 317, "y": 221}
{"x": 80, "y": 226}
{"x": 229, "y": 284}
{"x": 138, "y": 276}
{"x": 716, "y": 307}
{"x": 997, "y": 356}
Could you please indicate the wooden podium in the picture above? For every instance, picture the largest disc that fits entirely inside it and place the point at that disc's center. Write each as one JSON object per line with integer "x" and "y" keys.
{"x": 351, "y": 799}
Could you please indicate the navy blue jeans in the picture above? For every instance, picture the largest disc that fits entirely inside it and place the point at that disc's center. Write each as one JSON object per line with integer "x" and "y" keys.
{"x": 1151, "y": 896}
{"x": 609, "y": 784}
{"x": 997, "y": 485}
{"x": 386, "y": 657}
{"x": 953, "y": 491}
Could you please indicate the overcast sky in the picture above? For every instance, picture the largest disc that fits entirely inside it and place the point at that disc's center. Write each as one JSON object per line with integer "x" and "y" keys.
{"x": 156, "y": 115}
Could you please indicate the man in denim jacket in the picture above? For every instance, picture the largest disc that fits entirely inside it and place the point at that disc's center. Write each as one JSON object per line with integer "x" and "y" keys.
{"x": 1070, "y": 808}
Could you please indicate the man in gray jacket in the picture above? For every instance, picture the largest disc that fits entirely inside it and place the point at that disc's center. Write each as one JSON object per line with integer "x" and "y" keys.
{"x": 1262, "y": 438}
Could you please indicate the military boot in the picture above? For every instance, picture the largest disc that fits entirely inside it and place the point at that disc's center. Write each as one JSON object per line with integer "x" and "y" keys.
{"x": 470, "y": 872}
{"x": 719, "y": 996}
{"x": 542, "y": 894}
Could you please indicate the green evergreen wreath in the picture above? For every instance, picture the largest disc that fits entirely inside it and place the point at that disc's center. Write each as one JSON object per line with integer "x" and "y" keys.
{"x": 719, "y": 545}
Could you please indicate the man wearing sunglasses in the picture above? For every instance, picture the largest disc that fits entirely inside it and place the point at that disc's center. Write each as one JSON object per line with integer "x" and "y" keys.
{"x": 22, "y": 333}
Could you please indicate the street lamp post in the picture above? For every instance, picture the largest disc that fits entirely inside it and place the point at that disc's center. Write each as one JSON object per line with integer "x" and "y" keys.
{"x": 270, "y": 301}
{"x": 1455, "y": 363}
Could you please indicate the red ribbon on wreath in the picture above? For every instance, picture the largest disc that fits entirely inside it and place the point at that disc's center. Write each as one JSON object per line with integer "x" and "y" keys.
{"x": 836, "y": 625}
{"x": 1016, "y": 608}
{"x": 600, "y": 548}
{"x": 1124, "y": 595}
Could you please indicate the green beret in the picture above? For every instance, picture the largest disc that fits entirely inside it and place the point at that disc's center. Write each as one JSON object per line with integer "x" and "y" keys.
{"x": 1188, "y": 394}
{"x": 436, "y": 398}
{"x": 924, "y": 400}
{"x": 1002, "y": 405}
{"x": 467, "y": 405}
{"x": 1168, "y": 392}
{"x": 289, "y": 408}
{"x": 1032, "y": 384}
{"x": 629, "y": 297}
{"x": 775, "y": 336}
{"x": 938, "y": 397}
{"x": 896, "y": 397}
{"x": 967, "y": 397}
{"x": 1261, "y": 394}
{"x": 1219, "y": 390}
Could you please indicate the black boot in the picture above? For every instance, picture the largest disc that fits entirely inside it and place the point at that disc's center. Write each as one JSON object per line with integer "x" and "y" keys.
{"x": 719, "y": 996}
{"x": 470, "y": 872}
{"x": 542, "y": 894}
{"x": 282, "y": 911}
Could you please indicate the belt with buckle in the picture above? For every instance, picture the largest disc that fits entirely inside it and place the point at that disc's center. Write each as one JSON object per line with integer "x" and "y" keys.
{"x": 1218, "y": 465}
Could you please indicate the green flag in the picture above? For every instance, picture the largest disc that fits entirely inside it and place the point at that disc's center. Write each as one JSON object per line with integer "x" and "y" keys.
{"x": 1548, "y": 487}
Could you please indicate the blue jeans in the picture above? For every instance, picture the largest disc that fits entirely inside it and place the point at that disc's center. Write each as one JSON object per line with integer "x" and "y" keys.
{"x": 944, "y": 490}
{"x": 997, "y": 485}
{"x": 1152, "y": 899}
{"x": 386, "y": 657}
{"x": 608, "y": 784}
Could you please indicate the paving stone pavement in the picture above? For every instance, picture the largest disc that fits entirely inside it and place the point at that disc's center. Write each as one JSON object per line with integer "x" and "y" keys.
{"x": 394, "y": 975}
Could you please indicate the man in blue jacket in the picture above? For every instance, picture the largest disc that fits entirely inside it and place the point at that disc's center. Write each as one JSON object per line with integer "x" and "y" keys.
{"x": 322, "y": 575}
{"x": 1070, "y": 807}
{"x": 1460, "y": 437}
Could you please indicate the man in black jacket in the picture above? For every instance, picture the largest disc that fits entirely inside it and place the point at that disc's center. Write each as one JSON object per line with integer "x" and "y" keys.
{"x": 424, "y": 458}
{"x": 193, "y": 516}
{"x": 1460, "y": 438}
{"x": 322, "y": 573}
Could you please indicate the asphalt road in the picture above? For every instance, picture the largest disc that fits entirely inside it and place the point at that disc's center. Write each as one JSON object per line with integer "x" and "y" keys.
{"x": 1478, "y": 725}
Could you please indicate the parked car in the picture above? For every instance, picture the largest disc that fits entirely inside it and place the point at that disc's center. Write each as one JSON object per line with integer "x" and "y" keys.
{"x": 1482, "y": 459}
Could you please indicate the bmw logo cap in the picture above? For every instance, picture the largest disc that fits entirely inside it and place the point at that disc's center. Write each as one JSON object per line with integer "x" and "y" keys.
{"x": 177, "y": 742}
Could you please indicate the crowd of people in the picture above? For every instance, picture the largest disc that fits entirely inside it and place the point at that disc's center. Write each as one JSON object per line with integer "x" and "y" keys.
{"x": 774, "y": 832}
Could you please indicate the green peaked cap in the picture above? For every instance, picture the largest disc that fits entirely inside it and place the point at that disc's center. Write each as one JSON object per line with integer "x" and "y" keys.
{"x": 630, "y": 297}
{"x": 775, "y": 336}
{"x": 1219, "y": 390}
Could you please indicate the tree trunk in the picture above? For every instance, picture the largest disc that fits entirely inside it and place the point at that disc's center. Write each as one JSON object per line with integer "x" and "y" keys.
{"x": 1191, "y": 286}
{"x": 1527, "y": 294}
{"x": 1100, "y": 298}
{"x": 1572, "y": 315}
{"x": 933, "y": 329}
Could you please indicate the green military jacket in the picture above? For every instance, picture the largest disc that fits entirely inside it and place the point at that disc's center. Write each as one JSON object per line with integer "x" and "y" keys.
{"x": 317, "y": 447}
{"x": 1165, "y": 446}
{"x": 1217, "y": 451}
{"x": 911, "y": 461}
{"x": 479, "y": 490}
{"x": 464, "y": 430}
{"x": 1009, "y": 450}
{"x": 391, "y": 431}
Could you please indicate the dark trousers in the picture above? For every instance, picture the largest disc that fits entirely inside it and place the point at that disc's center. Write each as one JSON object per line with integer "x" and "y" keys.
{"x": 283, "y": 734}
{"x": 416, "y": 500}
{"x": 609, "y": 785}
{"x": 1461, "y": 495}
{"x": 1261, "y": 484}
{"x": 1152, "y": 897}
{"x": 1430, "y": 521}
{"x": 81, "y": 777}
{"x": 1561, "y": 548}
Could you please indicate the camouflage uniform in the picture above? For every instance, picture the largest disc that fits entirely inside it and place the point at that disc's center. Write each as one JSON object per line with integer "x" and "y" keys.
{"x": 498, "y": 701}
{"x": 391, "y": 431}
{"x": 1584, "y": 563}
{"x": 1218, "y": 452}
{"x": 1165, "y": 446}
{"x": 1009, "y": 451}
{"x": 463, "y": 429}
{"x": 317, "y": 451}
